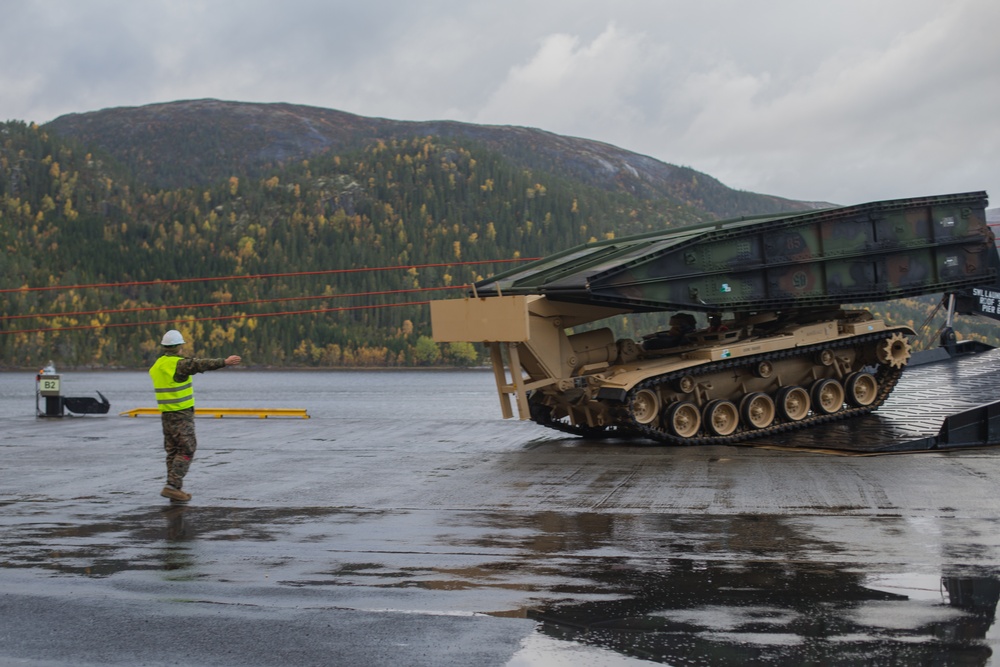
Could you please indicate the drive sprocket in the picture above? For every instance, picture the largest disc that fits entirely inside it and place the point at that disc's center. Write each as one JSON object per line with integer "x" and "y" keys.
{"x": 894, "y": 351}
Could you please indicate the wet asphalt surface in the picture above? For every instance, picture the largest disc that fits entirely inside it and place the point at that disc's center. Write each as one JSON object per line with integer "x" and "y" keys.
{"x": 445, "y": 536}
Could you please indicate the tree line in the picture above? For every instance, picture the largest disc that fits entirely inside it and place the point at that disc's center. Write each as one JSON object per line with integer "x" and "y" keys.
{"x": 71, "y": 217}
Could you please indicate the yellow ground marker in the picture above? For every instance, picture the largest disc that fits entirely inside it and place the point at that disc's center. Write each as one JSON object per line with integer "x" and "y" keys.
{"x": 219, "y": 413}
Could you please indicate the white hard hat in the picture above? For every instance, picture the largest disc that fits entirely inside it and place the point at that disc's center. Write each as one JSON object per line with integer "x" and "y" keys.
{"x": 172, "y": 337}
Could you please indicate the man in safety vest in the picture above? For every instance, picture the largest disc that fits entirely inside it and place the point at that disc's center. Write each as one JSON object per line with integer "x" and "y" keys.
{"x": 171, "y": 376}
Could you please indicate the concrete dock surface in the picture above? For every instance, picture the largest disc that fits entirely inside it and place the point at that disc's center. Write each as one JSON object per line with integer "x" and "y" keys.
{"x": 430, "y": 532}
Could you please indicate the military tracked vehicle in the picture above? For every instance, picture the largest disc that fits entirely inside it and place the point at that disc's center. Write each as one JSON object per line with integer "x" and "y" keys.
{"x": 783, "y": 350}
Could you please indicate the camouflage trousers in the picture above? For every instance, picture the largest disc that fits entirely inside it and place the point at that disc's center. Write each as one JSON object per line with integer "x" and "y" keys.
{"x": 179, "y": 443}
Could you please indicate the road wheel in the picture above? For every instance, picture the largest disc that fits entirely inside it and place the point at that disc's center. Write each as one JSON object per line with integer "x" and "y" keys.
{"x": 645, "y": 406}
{"x": 683, "y": 419}
{"x": 827, "y": 396}
{"x": 793, "y": 403}
{"x": 721, "y": 417}
{"x": 861, "y": 389}
{"x": 757, "y": 410}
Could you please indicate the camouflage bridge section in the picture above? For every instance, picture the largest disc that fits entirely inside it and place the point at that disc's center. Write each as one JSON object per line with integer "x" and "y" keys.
{"x": 852, "y": 254}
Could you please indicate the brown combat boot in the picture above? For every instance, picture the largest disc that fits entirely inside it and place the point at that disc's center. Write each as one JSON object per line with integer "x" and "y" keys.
{"x": 175, "y": 495}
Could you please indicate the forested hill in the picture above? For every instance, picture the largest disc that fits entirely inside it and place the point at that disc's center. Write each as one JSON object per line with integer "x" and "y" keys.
{"x": 111, "y": 238}
{"x": 71, "y": 215}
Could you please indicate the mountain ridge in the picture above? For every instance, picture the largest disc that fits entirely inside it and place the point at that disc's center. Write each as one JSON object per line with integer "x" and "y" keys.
{"x": 215, "y": 139}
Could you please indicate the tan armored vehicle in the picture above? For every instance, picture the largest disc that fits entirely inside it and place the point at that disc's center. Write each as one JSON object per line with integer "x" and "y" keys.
{"x": 779, "y": 350}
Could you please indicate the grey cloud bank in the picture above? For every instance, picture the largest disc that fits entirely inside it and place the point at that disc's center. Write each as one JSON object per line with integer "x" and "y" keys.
{"x": 843, "y": 101}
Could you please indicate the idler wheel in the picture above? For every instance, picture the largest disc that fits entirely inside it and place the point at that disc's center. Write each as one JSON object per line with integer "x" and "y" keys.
{"x": 894, "y": 351}
{"x": 721, "y": 417}
{"x": 793, "y": 403}
{"x": 757, "y": 410}
{"x": 827, "y": 396}
{"x": 861, "y": 389}
{"x": 645, "y": 406}
{"x": 682, "y": 419}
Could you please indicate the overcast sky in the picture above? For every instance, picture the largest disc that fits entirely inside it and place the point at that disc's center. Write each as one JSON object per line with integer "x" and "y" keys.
{"x": 836, "y": 100}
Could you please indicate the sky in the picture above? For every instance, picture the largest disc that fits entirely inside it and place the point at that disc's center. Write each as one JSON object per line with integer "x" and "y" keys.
{"x": 843, "y": 101}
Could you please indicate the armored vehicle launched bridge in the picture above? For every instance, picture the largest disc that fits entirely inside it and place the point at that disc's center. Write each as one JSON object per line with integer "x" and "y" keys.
{"x": 781, "y": 351}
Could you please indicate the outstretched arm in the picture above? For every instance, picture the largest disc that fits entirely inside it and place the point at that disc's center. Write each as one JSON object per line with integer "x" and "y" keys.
{"x": 190, "y": 366}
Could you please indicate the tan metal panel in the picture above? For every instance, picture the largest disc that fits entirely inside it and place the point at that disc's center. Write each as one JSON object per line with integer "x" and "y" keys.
{"x": 494, "y": 319}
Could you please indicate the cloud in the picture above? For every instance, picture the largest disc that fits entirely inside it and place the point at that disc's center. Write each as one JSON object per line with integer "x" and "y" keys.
{"x": 893, "y": 113}
{"x": 594, "y": 84}
{"x": 842, "y": 101}
{"x": 917, "y": 109}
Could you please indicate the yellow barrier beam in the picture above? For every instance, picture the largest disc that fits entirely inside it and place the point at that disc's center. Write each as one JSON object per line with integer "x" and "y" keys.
{"x": 219, "y": 413}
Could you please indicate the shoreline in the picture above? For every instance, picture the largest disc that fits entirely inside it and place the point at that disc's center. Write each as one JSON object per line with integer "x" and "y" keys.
{"x": 242, "y": 367}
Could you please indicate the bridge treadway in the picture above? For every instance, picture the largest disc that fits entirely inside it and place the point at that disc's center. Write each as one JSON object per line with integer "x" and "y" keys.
{"x": 912, "y": 416}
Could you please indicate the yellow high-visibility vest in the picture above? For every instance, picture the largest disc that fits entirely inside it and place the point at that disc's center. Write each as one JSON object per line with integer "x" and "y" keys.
{"x": 170, "y": 396}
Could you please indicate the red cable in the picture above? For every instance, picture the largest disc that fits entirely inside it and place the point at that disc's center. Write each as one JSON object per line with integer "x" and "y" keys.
{"x": 80, "y": 313}
{"x": 264, "y": 275}
{"x": 219, "y": 317}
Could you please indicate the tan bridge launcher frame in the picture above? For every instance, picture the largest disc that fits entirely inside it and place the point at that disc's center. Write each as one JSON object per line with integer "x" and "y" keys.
{"x": 530, "y": 328}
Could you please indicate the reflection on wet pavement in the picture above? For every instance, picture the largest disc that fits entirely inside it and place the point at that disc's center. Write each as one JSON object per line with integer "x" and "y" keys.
{"x": 677, "y": 589}
{"x": 778, "y": 614}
